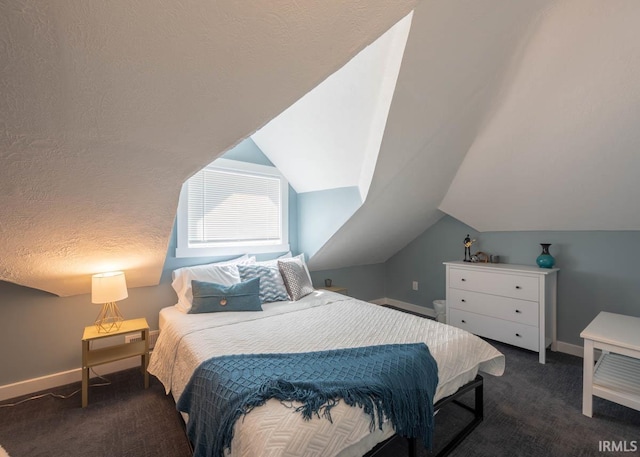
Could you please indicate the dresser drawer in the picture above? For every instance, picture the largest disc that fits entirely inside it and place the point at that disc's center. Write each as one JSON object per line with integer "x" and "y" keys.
{"x": 524, "y": 336}
{"x": 506, "y": 285}
{"x": 510, "y": 309}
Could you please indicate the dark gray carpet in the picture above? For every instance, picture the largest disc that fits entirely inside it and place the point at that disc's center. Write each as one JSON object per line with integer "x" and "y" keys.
{"x": 122, "y": 419}
{"x": 533, "y": 410}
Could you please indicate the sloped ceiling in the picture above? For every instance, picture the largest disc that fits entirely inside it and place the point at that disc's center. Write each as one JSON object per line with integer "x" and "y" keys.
{"x": 107, "y": 107}
{"x": 331, "y": 137}
{"x": 503, "y": 111}
{"x": 455, "y": 60}
{"x": 507, "y": 116}
{"x": 561, "y": 148}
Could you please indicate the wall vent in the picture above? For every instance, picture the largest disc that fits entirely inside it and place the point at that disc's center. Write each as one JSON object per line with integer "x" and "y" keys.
{"x": 153, "y": 337}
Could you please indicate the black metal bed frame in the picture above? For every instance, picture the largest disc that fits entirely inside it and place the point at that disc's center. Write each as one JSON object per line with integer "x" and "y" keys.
{"x": 477, "y": 410}
{"x": 478, "y": 416}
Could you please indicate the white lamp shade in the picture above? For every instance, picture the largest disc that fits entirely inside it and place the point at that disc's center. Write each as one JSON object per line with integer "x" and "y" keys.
{"x": 108, "y": 287}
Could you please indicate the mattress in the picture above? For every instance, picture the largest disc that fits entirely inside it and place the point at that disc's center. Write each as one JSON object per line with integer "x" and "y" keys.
{"x": 320, "y": 321}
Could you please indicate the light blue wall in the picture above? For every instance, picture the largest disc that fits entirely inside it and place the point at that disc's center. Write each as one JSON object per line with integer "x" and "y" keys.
{"x": 322, "y": 213}
{"x": 363, "y": 282}
{"x": 599, "y": 270}
{"x": 421, "y": 260}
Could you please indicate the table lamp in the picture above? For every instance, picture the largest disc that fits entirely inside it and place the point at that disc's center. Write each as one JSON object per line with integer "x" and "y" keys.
{"x": 108, "y": 288}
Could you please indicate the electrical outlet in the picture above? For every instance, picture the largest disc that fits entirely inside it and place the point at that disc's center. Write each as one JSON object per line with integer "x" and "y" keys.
{"x": 415, "y": 285}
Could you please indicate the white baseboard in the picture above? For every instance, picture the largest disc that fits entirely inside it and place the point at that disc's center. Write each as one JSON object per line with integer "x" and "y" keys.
{"x": 429, "y": 312}
{"x": 29, "y": 386}
{"x": 572, "y": 349}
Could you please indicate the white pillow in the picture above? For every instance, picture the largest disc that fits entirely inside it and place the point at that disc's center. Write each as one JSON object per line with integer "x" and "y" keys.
{"x": 273, "y": 262}
{"x": 225, "y": 273}
{"x": 176, "y": 274}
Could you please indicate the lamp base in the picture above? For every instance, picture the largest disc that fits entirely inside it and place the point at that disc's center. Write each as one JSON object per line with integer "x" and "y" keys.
{"x": 109, "y": 319}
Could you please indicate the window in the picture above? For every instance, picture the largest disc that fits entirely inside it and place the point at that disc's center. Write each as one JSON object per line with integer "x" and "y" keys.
{"x": 231, "y": 208}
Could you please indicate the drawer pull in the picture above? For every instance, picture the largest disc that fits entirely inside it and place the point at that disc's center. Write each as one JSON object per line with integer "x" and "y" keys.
{"x": 463, "y": 280}
{"x": 518, "y": 287}
{"x": 518, "y": 335}
{"x": 463, "y": 321}
{"x": 518, "y": 311}
{"x": 463, "y": 300}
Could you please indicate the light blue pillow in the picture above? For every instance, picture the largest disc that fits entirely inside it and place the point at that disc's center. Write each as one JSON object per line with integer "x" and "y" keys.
{"x": 272, "y": 286}
{"x": 209, "y": 297}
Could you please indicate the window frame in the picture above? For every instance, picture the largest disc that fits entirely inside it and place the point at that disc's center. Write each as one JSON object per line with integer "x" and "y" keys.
{"x": 183, "y": 249}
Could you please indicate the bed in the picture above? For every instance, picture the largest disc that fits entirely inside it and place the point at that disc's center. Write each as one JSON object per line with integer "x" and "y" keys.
{"x": 320, "y": 321}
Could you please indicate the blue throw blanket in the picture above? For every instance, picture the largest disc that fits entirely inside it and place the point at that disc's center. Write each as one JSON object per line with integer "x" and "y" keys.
{"x": 393, "y": 381}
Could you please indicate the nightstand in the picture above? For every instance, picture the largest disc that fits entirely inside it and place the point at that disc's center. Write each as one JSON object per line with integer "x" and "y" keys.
{"x": 337, "y": 289}
{"x": 93, "y": 357}
{"x": 615, "y": 377}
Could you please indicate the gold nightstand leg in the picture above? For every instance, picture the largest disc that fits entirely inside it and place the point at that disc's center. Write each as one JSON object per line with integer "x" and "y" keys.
{"x": 85, "y": 374}
{"x": 145, "y": 357}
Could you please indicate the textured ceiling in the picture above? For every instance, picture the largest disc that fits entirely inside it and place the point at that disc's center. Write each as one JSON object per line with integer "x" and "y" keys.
{"x": 507, "y": 115}
{"x": 107, "y": 107}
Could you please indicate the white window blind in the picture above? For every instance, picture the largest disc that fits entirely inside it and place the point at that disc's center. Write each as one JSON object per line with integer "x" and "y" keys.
{"x": 233, "y": 207}
{"x": 228, "y": 208}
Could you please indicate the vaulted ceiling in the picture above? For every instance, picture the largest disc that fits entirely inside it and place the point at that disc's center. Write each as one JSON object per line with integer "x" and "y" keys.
{"x": 502, "y": 111}
{"x": 560, "y": 147}
{"x": 108, "y": 107}
{"x": 331, "y": 137}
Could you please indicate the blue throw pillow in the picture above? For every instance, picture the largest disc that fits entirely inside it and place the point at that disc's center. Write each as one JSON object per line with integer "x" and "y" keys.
{"x": 209, "y": 297}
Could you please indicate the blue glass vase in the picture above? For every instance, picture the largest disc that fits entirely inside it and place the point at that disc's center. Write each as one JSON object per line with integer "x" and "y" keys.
{"x": 545, "y": 260}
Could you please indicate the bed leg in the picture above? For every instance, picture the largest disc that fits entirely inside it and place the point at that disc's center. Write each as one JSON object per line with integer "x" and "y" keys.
{"x": 413, "y": 447}
{"x": 479, "y": 405}
{"x": 477, "y": 410}
{"x": 477, "y": 385}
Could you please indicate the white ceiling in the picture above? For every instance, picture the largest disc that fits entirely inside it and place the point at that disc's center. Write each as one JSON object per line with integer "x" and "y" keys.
{"x": 560, "y": 149}
{"x": 330, "y": 138}
{"x": 454, "y": 62}
{"x": 507, "y": 115}
{"x": 107, "y": 107}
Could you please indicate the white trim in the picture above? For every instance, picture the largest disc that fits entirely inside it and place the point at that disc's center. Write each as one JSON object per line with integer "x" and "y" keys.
{"x": 182, "y": 241}
{"x": 574, "y": 349}
{"x": 425, "y": 311}
{"x": 29, "y": 386}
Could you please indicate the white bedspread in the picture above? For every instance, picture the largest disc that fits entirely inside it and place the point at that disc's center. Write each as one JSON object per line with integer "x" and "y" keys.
{"x": 320, "y": 321}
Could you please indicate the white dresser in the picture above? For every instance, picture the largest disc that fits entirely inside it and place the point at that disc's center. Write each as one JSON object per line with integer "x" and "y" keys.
{"x": 515, "y": 304}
